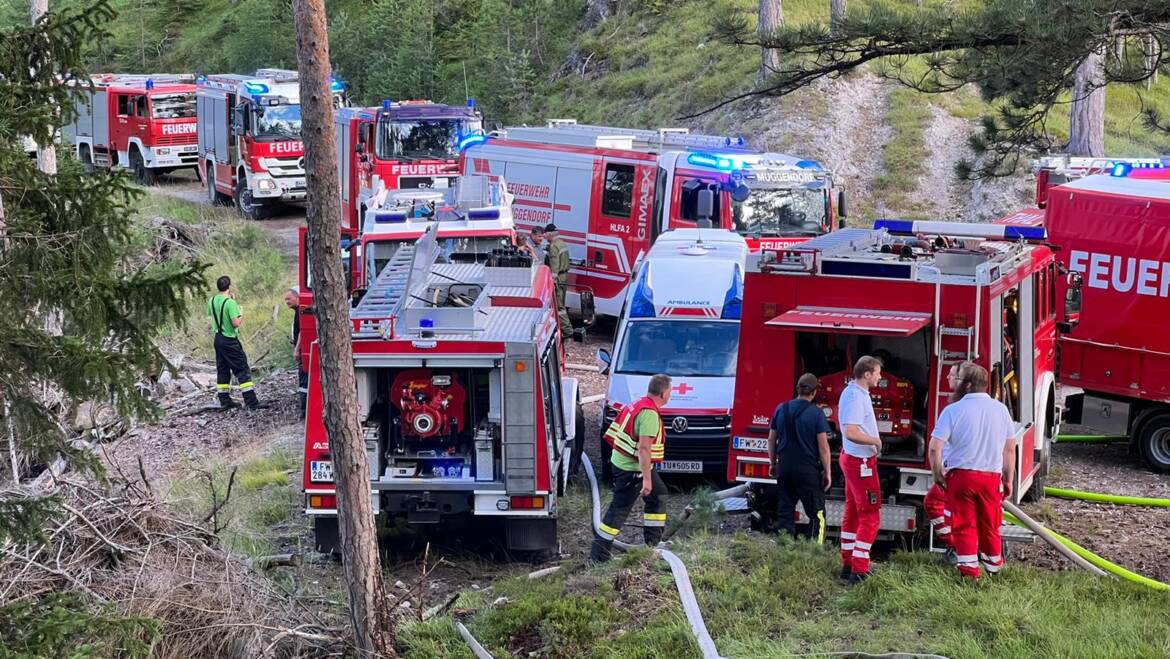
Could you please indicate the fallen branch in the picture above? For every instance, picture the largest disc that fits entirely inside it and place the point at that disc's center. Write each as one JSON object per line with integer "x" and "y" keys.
{"x": 276, "y": 560}
{"x": 582, "y": 367}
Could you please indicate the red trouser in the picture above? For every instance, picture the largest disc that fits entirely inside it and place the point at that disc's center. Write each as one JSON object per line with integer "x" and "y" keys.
{"x": 863, "y": 506}
{"x": 938, "y": 513}
{"x": 975, "y": 499}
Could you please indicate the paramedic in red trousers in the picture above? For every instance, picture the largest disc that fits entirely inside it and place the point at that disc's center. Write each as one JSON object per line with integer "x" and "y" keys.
{"x": 638, "y": 442}
{"x": 860, "y": 446}
{"x": 980, "y": 468}
{"x": 798, "y": 449}
{"x": 935, "y": 503}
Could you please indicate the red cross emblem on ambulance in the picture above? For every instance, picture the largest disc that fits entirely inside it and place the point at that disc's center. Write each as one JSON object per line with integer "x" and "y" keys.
{"x": 683, "y": 389}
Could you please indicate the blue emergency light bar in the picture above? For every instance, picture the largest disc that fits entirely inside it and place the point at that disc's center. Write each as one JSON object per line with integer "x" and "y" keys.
{"x": 389, "y": 217}
{"x": 386, "y": 103}
{"x": 471, "y": 102}
{"x": 966, "y": 229}
{"x": 256, "y": 88}
{"x": 722, "y": 163}
{"x": 470, "y": 140}
{"x": 337, "y": 85}
{"x": 484, "y": 214}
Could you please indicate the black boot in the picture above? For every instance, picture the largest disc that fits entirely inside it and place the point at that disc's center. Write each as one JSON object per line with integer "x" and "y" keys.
{"x": 250, "y": 400}
{"x": 225, "y": 401}
{"x": 301, "y": 404}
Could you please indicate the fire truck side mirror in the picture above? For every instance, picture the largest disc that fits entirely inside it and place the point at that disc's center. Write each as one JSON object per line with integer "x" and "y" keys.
{"x": 705, "y": 206}
{"x": 842, "y": 208}
{"x": 1072, "y": 303}
{"x": 239, "y": 119}
{"x": 360, "y": 148}
{"x": 603, "y": 361}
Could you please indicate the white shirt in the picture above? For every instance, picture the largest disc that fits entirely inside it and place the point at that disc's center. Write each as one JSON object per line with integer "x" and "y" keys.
{"x": 975, "y": 429}
{"x": 856, "y": 408}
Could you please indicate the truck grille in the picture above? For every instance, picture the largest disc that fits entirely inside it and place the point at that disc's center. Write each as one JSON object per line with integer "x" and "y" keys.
{"x": 705, "y": 438}
{"x": 174, "y": 140}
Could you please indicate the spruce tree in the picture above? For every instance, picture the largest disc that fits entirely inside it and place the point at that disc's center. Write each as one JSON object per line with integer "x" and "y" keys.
{"x": 82, "y": 308}
{"x": 1022, "y": 55}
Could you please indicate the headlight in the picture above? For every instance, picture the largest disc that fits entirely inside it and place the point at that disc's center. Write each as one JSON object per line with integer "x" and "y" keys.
{"x": 266, "y": 184}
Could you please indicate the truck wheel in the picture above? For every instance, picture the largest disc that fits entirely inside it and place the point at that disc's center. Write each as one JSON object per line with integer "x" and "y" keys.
{"x": 143, "y": 175}
{"x": 87, "y": 159}
{"x": 250, "y": 209}
{"x": 606, "y": 454}
{"x": 1040, "y": 480}
{"x": 213, "y": 196}
{"x": 1154, "y": 440}
{"x": 326, "y": 538}
{"x": 578, "y": 443}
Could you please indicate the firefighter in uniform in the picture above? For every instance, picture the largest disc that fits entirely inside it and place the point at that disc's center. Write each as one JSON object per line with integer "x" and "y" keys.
{"x": 798, "y": 448}
{"x": 637, "y": 439}
{"x": 860, "y": 446}
{"x": 229, "y": 353}
{"x": 979, "y": 471}
{"x": 558, "y": 262}
{"x": 291, "y": 300}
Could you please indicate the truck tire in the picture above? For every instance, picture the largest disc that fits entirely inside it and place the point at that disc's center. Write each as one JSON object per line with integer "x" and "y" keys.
{"x": 86, "y": 157}
{"x": 1153, "y": 437}
{"x": 143, "y": 175}
{"x": 214, "y": 197}
{"x": 326, "y": 538}
{"x": 578, "y": 443}
{"x": 1047, "y": 432}
{"x": 606, "y": 454}
{"x": 244, "y": 203}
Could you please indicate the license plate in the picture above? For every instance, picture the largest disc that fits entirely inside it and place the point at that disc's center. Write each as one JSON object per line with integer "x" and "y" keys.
{"x": 751, "y": 444}
{"x": 321, "y": 472}
{"x": 885, "y": 426}
{"x": 682, "y": 466}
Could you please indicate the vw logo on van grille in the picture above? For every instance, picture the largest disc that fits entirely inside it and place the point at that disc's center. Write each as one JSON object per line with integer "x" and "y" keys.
{"x": 679, "y": 424}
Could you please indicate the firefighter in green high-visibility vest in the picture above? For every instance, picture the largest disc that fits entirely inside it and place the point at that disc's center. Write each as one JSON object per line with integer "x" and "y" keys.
{"x": 229, "y": 353}
{"x": 637, "y": 438}
{"x": 558, "y": 262}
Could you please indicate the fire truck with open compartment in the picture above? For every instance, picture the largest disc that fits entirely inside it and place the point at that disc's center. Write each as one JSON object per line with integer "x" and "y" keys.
{"x": 464, "y": 404}
{"x": 612, "y": 191}
{"x": 472, "y": 218}
{"x": 400, "y": 145}
{"x": 144, "y": 123}
{"x": 921, "y": 296}
{"x": 250, "y": 149}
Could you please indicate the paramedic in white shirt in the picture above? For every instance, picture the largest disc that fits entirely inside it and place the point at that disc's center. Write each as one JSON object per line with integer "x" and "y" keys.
{"x": 860, "y": 445}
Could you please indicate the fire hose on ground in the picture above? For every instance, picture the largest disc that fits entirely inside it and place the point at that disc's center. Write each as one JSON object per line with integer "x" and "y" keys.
{"x": 1090, "y": 439}
{"x": 1106, "y": 498}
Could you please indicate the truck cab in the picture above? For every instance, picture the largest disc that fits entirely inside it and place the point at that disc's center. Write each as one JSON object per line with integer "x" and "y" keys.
{"x": 681, "y": 317}
{"x": 400, "y": 145}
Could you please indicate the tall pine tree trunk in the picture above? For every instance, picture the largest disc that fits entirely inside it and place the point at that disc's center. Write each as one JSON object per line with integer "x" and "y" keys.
{"x": 837, "y": 10}
{"x": 771, "y": 19}
{"x": 46, "y": 153}
{"x": 373, "y": 631}
{"x": 1086, "y": 132}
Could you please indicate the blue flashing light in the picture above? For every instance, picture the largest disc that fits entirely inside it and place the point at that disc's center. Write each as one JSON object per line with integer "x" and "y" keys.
{"x": 470, "y": 140}
{"x": 200, "y": 79}
{"x": 1024, "y": 233}
{"x": 337, "y": 85}
{"x": 1122, "y": 169}
{"x": 255, "y": 88}
{"x": 389, "y": 217}
{"x": 722, "y": 163}
{"x": 895, "y": 226}
{"x": 426, "y": 323}
{"x": 733, "y": 303}
{"x": 642, "y": 306}
{"x": 471, "y": 102}
{"x": 484, "y": 214}
{"x": 149, "y": 84}
{"x": 809, "y": 164}
{"x": 386, "y": 103}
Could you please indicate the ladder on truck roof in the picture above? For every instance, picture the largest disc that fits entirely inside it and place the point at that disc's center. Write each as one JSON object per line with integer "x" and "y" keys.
{"x": 387, "y": 295}
{"x": 278, "y": 75}
{"x": 558, "y": 129}
{"x": 1085, "y": 165}
{"x": 140, "y": 80}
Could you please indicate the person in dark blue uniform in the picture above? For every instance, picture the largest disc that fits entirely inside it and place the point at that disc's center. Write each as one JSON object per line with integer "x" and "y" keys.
{"x": 798, "y": 447}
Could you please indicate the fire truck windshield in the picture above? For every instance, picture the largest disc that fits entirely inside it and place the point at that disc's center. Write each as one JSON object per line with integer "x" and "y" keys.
{"x": 463, "y": 249}
{"x": 278, "y": 122}
{"x": 172, "y": 106}
{"x": 435, "y": 139}
{"x": 679, "y": 348}
{"x": 774, "y": 213}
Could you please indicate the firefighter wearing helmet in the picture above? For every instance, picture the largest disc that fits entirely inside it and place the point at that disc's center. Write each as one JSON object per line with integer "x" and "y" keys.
{"x": 638, "y": 442}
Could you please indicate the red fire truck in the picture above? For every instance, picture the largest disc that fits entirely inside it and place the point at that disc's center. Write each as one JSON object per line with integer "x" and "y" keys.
{"x": 406, "y": 144}
{"x": 250, "y": 150}
{"x": 612, "y": 191}
{"x": 472, "y": 218}
{"x": 1114, "y": 232}
{"x": 1054, "y": 170}
{"x": 465, "y": 408}
{"x": 142, "y": 123}
{"x": 921, "y": 296}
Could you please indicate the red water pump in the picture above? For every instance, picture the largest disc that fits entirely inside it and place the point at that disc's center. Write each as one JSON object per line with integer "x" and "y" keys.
{"x": 893, "y": 401}
{"x": 431, "y": 404}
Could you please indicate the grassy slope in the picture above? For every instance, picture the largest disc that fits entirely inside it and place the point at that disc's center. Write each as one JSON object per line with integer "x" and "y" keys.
{"x": 760, "y": 600}
{"x": 260, "y": 275}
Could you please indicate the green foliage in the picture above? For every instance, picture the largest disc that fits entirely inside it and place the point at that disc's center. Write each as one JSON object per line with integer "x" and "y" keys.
{"x": 62, "y": 626}
{"x": 905, "y": 153}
